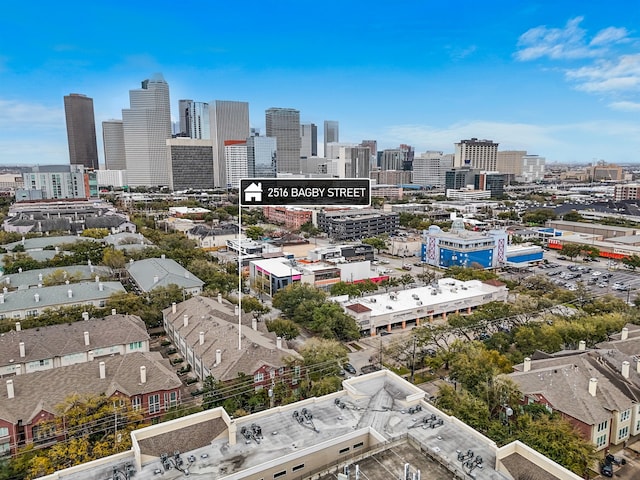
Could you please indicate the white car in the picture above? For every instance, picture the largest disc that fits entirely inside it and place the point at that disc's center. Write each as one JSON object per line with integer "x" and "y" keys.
{"x": 596, "y": 274}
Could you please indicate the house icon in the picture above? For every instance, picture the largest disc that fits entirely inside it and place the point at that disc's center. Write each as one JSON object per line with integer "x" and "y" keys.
{"x": 253, "y": 193}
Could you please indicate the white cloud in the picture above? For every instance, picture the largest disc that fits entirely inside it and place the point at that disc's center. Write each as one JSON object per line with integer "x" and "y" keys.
{"x": 18, "y": 115}
{"x": 625, "y": 106}
{"x": 569, "y": 42}
{"x": 620, "y": 74}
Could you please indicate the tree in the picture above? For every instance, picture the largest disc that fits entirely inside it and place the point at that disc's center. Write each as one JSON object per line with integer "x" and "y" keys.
{"x": 325, "y": 356}
{"x": 344, "y": 288}
{"x": 60, "y": 276}
{"x": 252, "y": 304}
{"x": 330, "y": 321}
{"x": 282, "y": 327}
{"x": 93, "y": 427}
{"x": 379, "y": 243}
{"x": 96, "y": 233}
{"x": 538, "y": 216}
{"x": 406, "y": 279}
{"x": 632, "y": 261}
{"x": 572, "y": 216}
{"x": 571, "y": 250}
{"x": 113, "y": 259}
{"x": 254, "y": 232}
{"x": 310, "y": 229}
{"x": 289, "y": 300}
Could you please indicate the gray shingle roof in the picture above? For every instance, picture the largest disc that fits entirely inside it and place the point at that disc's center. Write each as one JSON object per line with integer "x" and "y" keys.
{"x": 564, "y": 382}
{"x": 167, "y": 271}
{"x": 220, "y": 326}
{"x": 41, "y": 242}
{"x": 58, "y": 340}
{"x": 44, "y": 390}
{"x": 58, "y": 295}
{"x": 31, "y": 278}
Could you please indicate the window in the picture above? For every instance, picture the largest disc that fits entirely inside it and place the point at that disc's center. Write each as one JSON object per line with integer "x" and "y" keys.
{"x": 623, "y": 432}
{"x": 280, "y": 474}
{"x": 4, "y": 432}
{"x": 258, "y": 377}
{"x": 625, "y": 415}
{"x": 154, "y": 403}
{"x": 601, "y": 441}
{"x": 359, "y": 445}
{"x": 136, "y": 403}
{"x": 344, "y": 450}
{"x": 602, "y": 425}
{"x": 32, "y": 313}
{"x": 42, "y": 432}
{"x": 298, "y": 467}
{"x": 170, "y": 400}
{"x": 135, "y": 346}
{"x": 5, "y": 448}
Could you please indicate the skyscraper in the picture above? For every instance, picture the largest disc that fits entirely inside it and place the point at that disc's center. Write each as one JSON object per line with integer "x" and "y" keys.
{"x": 194, "y": 119}
{"x": 261, "y": 156}
{"x": 474, "y": 153}
{"x": 309, "y": 139}
{"x": 147, "y": 126}
{"x": 284, "y": 125}
{"x": 331, "y": 134}
{"x": 81, "y": 130}
{"x": 235, "y": 156}
{"x": 113, "y": 141}
{"x": 229, "y": 120}
{"x": 190, "y": 163}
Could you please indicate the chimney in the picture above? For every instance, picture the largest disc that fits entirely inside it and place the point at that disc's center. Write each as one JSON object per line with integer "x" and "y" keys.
{"x": 86, "y": 338}
{"x": 18, "y": 327}
{"x": 254, "y": 324}
{"x": 85, "y": 316}
{"x": 638, "y": 365}
{"x": 624, "y": 334}
{"x": 162, "y": 256}
{"x": 582, "y": 346}
{"x": 236, "y": 309}
{"x": 155, "y": 279}
{"x": 201, "y": 338}
{"x": 219, "y": 298}
{"x": 22, "y": 351}
{"x": 173, "y": 307}
{"x": 143, "y": 374}
{"x": 113, "y": 311}
{"x": 1, "y": 297}
{"x": 279, "y": 343}
{"x": 36, "y": 297}
{"x": 218, "y": 357}
{"x": 97, "y": 279}
{"x": 625, "y": 369}
{"x": 70, "y": 293}
{"x": 89, "y": 262}
{"x": 103, "y": 371}
{"x": 18, "y": 369}
{"x": 593, "y": 386}
{"x": 5, "y": 289}
{"x": 10, "y": 392}
{"x": 527, "y": 365}
{"x": 185, "y": 320}
{"x": 101, "y": 287}
{"x": 131, "y": 261}
{"x": 91, "y": 269}
{"x": 19, "y": 269}
{"x": 39, "y": 277}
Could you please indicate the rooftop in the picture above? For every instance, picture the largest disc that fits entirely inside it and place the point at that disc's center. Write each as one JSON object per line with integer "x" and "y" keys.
{"x": 161, "y": 272}
{"x": 32, "y": 278}
{"x": 38, "y": 243}
{"x": 64, "y": 339}
{"x": 279, "y": 267}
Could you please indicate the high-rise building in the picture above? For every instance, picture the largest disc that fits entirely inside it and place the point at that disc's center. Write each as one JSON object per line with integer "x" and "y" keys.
{"x": 474, "y": 153}
{"x": 81, "y": 130}
{"x": 492, "y": 181}
{"x": 190, "y": 163}
{"x": 194, "y": 119}
{"x": 235, "y": 155}
{"x": 147, "y": 126}
{"x": 393, "y": 159}
{"x": 331, "y": 134}
{"x": 373, "y": 148}
{"x": 429, "y": 169}
{"x": 56, "y": 181}
{"x": 229, "y": 120}
{"x": 359, "y": 162}
{"x": 532, "y": 169}
{"x": 261, "y": 157}
{"x": 113, "y": 142}
{"x": 309, "y": 139}
{"x": 284, "y": 125}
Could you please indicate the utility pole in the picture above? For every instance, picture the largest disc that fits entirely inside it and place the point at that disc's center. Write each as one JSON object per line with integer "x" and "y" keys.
{"x": 413, "y": 360}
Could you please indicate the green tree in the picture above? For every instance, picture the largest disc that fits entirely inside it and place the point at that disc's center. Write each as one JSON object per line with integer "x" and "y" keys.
{"x": 60, "y": 276}
{"x": 379, "y": 243}
{"x": 282, "y": 327}
{"x": 252, "y": 304}
{"x": 113, "y": 259}
{"x": 572, "y": 216}
{"x": 254, "y": 232}
{"x": 344, "y": 288}
{"x": 325, "y": 356}
{"x": 310, "y": 229}
{"x": 632, "y": 261}
{"x": 97, "y": 233}
{"x": 289, "y": 300}
{"x": 571, "y": 250}
{"x": 538, "y": 216}
{"x": 329, "y": 321}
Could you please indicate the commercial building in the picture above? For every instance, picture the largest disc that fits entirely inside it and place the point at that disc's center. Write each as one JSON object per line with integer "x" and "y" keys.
{"x": 111, "y": 178}
{"x": 418, "y": 306}
{"x": 390, "y": 177}
{"x": 347, "y": 253}
{"x": 477, "y": 154}
{"x": 463, "y": 248}
{"x": 81, "y": 130}
{"x": 270, "y": 275}
{"x": 205, "y": 332}
{"x": 331, "y": 134}
{"x": 491, "y": 181}
{"x": 115, "y": 157}
{"x": 358, "y": 162}
{"x": 357, "y": 224}
{"x": 262, "y": 160}
{"x": 194, "y": 119}
{"x": 533, "y": 167}
{"x": 229, "y": 121}
{"x": 147, "y": 126}
{"x": 153, "y": 273}
{"x": 317, "y": 437}
{"x": 190, "y": 164}
{"x": 390, "y": 192}
{"x": 29, "y": 402}
{"x": 283, "y": 124}
{"x": 429, "y": 169}
{"x": 24, "y": 351}
{"x": 236, "y": 161}
{"x": 291, "y": 217}
{"x": 309, "y": 140}
{"x": 603, "y": 172}
{"x": 55, "y": 182}
{"x": 629, "y": 191}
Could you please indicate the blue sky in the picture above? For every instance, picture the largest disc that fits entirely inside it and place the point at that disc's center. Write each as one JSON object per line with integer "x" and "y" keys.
{"x": 556, "y": 78}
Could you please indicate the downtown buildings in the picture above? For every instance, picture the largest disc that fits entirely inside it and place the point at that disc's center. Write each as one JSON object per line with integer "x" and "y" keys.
{"x": 81, "y": 130}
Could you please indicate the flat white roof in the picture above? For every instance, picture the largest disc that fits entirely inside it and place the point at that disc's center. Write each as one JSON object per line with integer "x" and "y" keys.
{"x": 275, "y": 266}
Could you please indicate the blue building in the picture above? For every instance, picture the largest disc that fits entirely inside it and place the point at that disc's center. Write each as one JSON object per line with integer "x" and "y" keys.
{"x": 463, "y": 248}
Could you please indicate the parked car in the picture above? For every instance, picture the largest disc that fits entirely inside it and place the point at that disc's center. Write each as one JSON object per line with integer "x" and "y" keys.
{"x": 350, "y": 368}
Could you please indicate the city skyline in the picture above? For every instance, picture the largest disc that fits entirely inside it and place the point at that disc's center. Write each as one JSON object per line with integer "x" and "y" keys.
{"x": 558, "y": 80}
